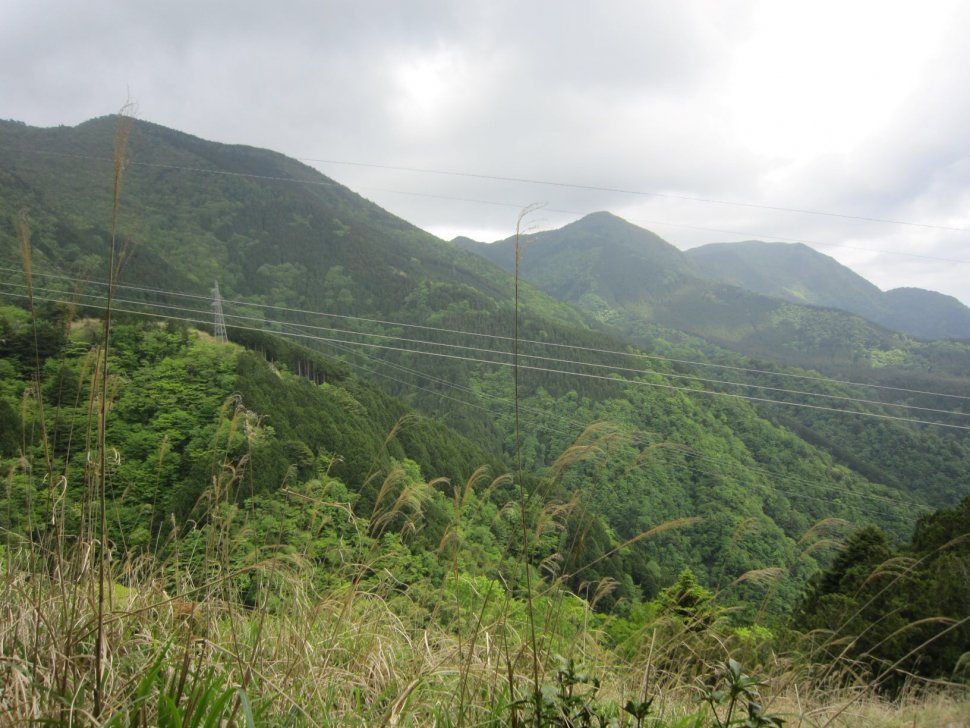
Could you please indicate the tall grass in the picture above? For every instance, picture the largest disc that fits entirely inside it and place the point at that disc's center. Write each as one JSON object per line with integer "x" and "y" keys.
{"x": 360, "y": 656}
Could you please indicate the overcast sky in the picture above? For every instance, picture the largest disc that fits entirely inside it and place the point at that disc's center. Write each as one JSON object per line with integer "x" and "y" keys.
{"x": 855, "y": 108}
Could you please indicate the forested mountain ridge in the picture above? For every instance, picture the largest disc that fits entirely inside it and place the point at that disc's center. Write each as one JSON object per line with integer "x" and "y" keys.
{"x": 800, "y": 274}
{"x": 927, "y": 313}
{"x": 285, "y": 239}
{"x": 270, "y": 229}
{"x": 222, "y": 529}
{"x": 630, "y": 277}
{"x": 793, "y": 271}
{"x": 267, "y": 227}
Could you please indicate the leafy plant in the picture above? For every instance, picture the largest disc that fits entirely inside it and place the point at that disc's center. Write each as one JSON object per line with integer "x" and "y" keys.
{"x": 186, "y": 699}
{"x": 570, "y": 702}
{"x": 729, "y": 687}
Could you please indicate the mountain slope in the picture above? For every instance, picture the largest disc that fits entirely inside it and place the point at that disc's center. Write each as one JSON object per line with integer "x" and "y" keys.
{"x": 799, "y": 274}
{"x": 261, "y": 223}
{"x": 629, "y": 277}
{"x": 271, "y": 230}
{"x": 794, "y": 272}
{"x": 188, "y": 411}
{"x": 599, "y": 255}
{"x": 927, "y": 314}
{"x": 655, "y": 302}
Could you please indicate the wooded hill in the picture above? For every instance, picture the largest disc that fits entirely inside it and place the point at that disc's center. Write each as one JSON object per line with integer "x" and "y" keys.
{"x": 750, "y": 297}
{"x": 797, "y": 273}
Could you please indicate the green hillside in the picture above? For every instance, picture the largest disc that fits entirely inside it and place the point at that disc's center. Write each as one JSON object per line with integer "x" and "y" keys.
{"x": 400, "y": 493}
{"x": 799, "y": 274}
{"x": 794, "y": 272}
{"x": 285, "y": 243}
{"x": 629, "y": 277}
{"x": 228, "y": 566}
{"x": 268, "y": 228}
{"x": 178, "y": 397}
{"x": 927, "y": 314}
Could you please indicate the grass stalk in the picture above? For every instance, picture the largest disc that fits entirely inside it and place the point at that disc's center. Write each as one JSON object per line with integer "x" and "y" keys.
{"x": 122, "y": 134}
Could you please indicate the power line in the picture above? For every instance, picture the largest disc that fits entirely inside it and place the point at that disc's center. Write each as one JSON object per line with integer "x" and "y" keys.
{"x": 580, "y": 425}
{"x": 618, "y": 379}
{"x": 685, "y": 466}
{"x": 586, "y": 375}
{"x": 606, "y": 351}
{"x": 639, "y": 355}
{"x": 615, "y": 368}
{"x": 504, "y": 178}
{"x": 394, "y": 365}
{"x": 641, "y": 222}
{"x": 640, "y": 193}
{"x": 556, "y": 360}
{"x": 331, "y": 183}
{"x": 720, "y": 474}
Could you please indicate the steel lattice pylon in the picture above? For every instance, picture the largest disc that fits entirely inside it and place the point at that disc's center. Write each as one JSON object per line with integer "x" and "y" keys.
{"x": 219, "y": 324}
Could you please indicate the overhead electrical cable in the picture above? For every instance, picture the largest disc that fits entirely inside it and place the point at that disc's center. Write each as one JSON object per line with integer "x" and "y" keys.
{"x": 747, "y": 235}
{"x": 331, "y": 183}
{"x": 537, "y": 357}
{"x": 721, "y": 474}
{"x": 840, "y": 489}
{"x": 478, "y": 394}
{"x": 313, "y": 182}
{"x": 615, "y": 379}
{"x": 640, "y": 193}
{"x": 634, "y": 354}
{"x": 505, "y": 178}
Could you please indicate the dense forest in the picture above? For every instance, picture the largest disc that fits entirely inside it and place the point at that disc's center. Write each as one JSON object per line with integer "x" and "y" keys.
{"x": 397, "y": 426}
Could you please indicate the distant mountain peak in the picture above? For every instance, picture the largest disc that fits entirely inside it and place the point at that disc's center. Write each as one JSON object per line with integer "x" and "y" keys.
{"x": 801, "y": 274}
{"x": 612, "y": 232}
{"x": 602, "y": 216}
{"x": 603, "y": 220}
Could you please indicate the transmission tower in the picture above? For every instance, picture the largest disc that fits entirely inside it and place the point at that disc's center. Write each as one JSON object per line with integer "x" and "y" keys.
{"x": 219, "y": 326}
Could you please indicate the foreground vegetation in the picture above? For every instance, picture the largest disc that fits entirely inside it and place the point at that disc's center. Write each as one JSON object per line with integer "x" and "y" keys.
{"x": 211, "y": 636}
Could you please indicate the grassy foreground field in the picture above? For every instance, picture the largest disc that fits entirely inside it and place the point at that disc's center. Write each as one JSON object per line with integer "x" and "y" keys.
{"x": 369, "y": 653}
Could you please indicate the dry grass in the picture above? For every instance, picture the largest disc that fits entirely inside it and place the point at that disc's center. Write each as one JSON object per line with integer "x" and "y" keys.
{"x": 360, "y": 652}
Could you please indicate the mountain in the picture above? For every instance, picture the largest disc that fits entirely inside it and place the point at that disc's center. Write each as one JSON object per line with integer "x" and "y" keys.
{"x": 927, "y": 314}
{"x": 797, "y": 273}
{"x": 794, "y": 272}
{"x": 632, "y": 279}
{"x": 271, "y": 230}
{"x": 600, "y": 255}
{"x": 264, "y": 225}
{"x": 599, "y": 248}
{"x": 431, "y": 323}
